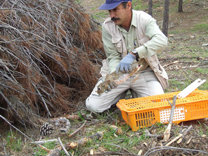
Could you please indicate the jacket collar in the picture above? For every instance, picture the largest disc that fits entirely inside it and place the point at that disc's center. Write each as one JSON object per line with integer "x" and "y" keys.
{"x": 133, "y": 21}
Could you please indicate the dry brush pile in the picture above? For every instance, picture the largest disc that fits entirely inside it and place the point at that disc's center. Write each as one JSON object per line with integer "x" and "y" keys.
{"x": 49, "y": 54}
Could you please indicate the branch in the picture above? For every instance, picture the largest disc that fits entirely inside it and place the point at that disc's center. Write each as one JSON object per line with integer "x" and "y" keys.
{"x": 124, "y": 149}
{"x": 66, "y": 152}
{"x": 15, "y": 128}
{"x": 44, "y": 141}
{"x": 174, "y": 62}
{"x": 42, "y": 147}
{"x": 75, "y": 132}
{"x": 148, "y": 134}
{"x": 167, "y": 131}
{"x": 180, "y": 135}
{"x": 83, "y": 141}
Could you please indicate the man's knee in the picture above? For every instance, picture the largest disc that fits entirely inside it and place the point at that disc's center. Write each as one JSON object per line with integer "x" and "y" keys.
{"x": 94, "y": 105}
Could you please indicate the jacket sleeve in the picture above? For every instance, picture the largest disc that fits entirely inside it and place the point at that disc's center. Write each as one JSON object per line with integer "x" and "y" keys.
{"x": 157, "y": 40}
{"x": 112, "y": 55}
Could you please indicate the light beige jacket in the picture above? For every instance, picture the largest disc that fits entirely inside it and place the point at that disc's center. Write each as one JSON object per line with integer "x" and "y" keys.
{"x": 142, "y": 19}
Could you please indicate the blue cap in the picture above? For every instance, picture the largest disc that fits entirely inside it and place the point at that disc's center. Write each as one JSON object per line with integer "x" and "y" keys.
{"x": 111, "y": 4}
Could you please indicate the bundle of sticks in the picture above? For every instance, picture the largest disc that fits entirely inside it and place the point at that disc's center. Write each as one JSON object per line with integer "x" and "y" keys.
{"x": 49, "y": 55}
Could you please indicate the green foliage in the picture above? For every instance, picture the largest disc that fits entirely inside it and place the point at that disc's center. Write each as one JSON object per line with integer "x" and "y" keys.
{"x": 156, "y": 5}
{"x": 13, "y": 142}
{"x": 178, "y": 85}
{"x": 111, "y": 141}
{"x": 203, "y": 27}
{"x": 77, "y": 1}
{"x": 206, "y": 130}
{"x": 204, "y": 86}
{"x": 81, "y": 116}
{"x": 201, "y": 128}
{"x": 100, "y": 15}
{"x": 138, "y": 5}
{"x": 41, "y": 152}
{"x": 177, "y": 31}
{"x": 202, "y": 70}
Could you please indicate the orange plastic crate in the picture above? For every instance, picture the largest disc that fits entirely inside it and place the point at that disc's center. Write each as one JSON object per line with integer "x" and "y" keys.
{"x": 146, "y": 111}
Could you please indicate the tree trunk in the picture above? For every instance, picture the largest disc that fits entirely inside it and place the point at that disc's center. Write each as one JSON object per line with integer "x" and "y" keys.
{"x": 180, "y": 6}
{"x": 150, "y": 7}
{"x": 165, "y": 17}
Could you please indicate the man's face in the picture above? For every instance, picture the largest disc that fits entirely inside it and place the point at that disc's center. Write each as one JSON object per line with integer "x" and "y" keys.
{"x": 119, "y": 14}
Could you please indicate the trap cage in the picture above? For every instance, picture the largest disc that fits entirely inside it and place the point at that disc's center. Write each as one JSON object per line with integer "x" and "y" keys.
{"x": 146, "y": 111}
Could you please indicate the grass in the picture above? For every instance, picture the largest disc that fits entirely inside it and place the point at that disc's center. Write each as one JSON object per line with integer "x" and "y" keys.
{"x": 204, "y": 86}
{"x": 138, "y": 5}
{"x": 14, "y": 142}
{"x": 178, "y": 31}
{"x": 202, "y": 27}
{"x": 40, "y": 152}
{"x": 100, "y": 15}
{"x": 206, "y": 130}
{"x": 176, "y": 85}
{"x": 77, "y": 1}
{"x": 111, "y": 140}
{"x": 202, "y": 70}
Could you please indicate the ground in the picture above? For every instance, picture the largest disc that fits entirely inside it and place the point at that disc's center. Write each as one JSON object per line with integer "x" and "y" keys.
{"x": 185, "y": 59}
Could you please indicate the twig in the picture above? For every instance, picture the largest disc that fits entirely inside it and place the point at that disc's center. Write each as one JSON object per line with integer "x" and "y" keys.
{"x": 72, "y": 117}
{"x": 180, "y": 135}
{"x": 129, "y": 153}
{"x": 167, "y": 131}
{"x": 75, "y": 132}
{"x": 44, "y": 102}
{"x": 15, "y": 128}
{"x": 174, "y": 62}
{"x": 66, "y": 152}
{"x": 44, "y": 141}
{"x": 148, "y": 134}
{"x": 159, "y": 148}
{"x": 44, "y": 148}
{"x": 189, "y": 140}
{"x": 84, "y": 140}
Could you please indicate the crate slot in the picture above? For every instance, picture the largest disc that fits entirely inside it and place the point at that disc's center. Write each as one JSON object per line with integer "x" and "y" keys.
{"x": 179, "y": 114}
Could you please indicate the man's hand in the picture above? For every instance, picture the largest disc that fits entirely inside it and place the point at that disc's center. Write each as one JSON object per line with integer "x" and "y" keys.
{"x": 125, "y": 63}
{"x": 108, "y": 84}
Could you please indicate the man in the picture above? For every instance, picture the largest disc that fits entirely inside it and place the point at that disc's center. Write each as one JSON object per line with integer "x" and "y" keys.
{"x": 129, "y": 35}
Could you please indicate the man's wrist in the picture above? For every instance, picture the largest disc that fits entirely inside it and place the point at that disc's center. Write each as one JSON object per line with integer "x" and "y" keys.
{"x": 135, "y": 53}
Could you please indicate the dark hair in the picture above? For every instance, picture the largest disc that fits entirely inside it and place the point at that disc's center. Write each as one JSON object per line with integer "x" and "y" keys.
{"x": 124, "y": 4}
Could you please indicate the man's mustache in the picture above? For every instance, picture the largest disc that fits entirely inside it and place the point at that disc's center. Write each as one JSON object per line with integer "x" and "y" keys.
{"x": 114, "y": 19}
